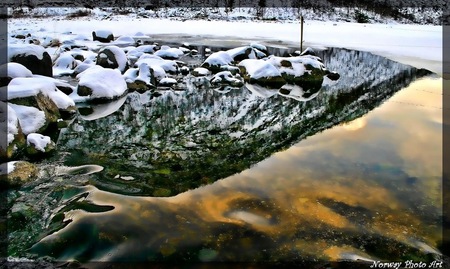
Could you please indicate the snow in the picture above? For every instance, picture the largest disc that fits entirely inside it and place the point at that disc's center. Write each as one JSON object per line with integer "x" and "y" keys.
{"x": 24, "y": 87}
{"x": 201, "y": 71}
{"x": 104, "y": 82}
{"x": 25, "y": 49}
{"x": 31, "y": 119}
{"x": 259, "y": 68}
{"x": 14, "y": 70}
{"x": 402, "y": 42}
{"x": 39, "y": 141}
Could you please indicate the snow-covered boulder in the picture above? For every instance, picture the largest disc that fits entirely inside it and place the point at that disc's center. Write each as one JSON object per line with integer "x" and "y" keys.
{"x": 226, "y": 78}
{"x": 42, "y": 93}
{"x": 11, "y": 130}
{"x": 64, "y": 64}
{"x": 39, "y": 145}
{"x": 261, "y": 72}
{"x": 104, "y": 36}
{"x": 241, "y": 53}
{"x": 140, "y": 79}
{"x": 300, "y": 69}
{"x": 9, "y": 71}
{"x": 167, "y": 82}
{"x": 98, "y": 83}
{"x": 124, "y": 41}
{"x": 32, "y": 119}
{"x": 200, "y": 72}
{"x": 169, "y": 53}
{"x": 112, "y": 57}
{"x": 17, "y": 173}
{"x": 216, "y": 60}
{"x": 33, "y": 57}
{"x": 169, "y": 66}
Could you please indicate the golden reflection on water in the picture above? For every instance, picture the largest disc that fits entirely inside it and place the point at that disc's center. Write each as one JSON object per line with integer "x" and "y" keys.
{"x": 359, "y": 178}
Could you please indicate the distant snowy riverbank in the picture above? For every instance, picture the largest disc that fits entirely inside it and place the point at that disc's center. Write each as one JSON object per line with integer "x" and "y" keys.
{"x": 417, "y": 45}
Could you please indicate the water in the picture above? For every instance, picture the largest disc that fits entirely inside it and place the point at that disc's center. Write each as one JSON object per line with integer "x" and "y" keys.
{"x": 247, "y": 174}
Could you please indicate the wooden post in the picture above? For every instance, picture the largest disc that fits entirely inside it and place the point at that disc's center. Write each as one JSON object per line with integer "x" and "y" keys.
{"x": 301, "y": 34}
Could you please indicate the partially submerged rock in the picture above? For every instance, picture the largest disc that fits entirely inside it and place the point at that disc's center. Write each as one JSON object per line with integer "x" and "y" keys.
{"x": 261, "y": 72}
{"x": 140, "y": 79}
{"x": 226, "y": 78}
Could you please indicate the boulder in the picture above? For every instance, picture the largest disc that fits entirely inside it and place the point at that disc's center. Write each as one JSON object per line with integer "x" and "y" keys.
{"x": 9, "y": 71}
{"x": 216, "y": 60}
{"x": 140, "y": 79}
{"x": 98, "y": 83}
{"x": 39, "y": 145}
{"x": 226, "y": 78}
{"x": 112, "y": 57}
{"x": 103, "y": 36}
{"x": 42, "y": 93}
{"x": 11, "y": 130}
{"x": 261, "y": 72}
{"x": 17, "y": 173}
{"x": 33, "y": 57}
{"x": 64, "y": 64}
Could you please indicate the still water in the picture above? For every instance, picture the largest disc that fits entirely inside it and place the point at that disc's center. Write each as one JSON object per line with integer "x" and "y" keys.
{"x": 251, "y": 175}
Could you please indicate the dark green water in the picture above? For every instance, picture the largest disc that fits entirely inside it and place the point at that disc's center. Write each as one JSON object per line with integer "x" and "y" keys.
{"x": 247, "y": 174}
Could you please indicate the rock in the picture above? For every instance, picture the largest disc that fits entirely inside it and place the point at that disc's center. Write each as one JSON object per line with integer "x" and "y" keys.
{"x": 200, "y": 72}
{"x": 39, "y": 145}
{"x": 98, "y": 83}
{"x": 169, "y": 53}
{"x": 103, "y": 36}
{"x": 226, "y": 78}
{"x": 216, "y": 60}
{"x": 112, "y": 57}
{"x": 140, "y": 79}
{"x": 33, "y": 57}
{"x": 42, "y": 92}
{"x": 334, "y": 76}
{"x": 15, "y": 139}
{"x": 261, "y": 72}
{"x": 300, "y": 69}
{"x": 167, "y": 82}
{"x": 17, "y": 173}
{"x": 9, "y": 71}
{"x": 64, "y": 65}
{"x": 308, "y": 51}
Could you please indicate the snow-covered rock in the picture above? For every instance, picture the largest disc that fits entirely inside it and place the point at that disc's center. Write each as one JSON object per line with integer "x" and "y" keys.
{"x": 227, "y": 78}
{"x": 64, "y": 65}
{"x": 112, "y": 57}
{"x": 153, "y": 61}
{"x": 17, "y": 173}
{"x": 38, "y": 145}
{"x": 216, "y": 60}
{"x": 262, "y": 72}
{"x": 169, "y": 53}
{"x": 124, "y": 41}
{"x": 20, "y": 89}
{"x": 30, "y": 118}
{"x": 167, "y": 82}
{"x": 100, "y": 83}
{"x": 9, "y": 71}
{"x": 140, "y": 79}
{"x": 200, "y": 72}
{"x": 104, "y": 36}
{"x": 11, "y": 130}
{"x": 33, "y": 57}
